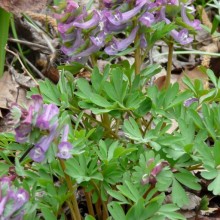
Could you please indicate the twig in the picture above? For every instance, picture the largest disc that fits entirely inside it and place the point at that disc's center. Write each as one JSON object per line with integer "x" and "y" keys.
{"x": 28, "y": 43}
{"x": 23, "y": 67}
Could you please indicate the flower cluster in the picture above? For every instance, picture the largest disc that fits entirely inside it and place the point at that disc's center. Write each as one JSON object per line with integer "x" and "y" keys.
{"x": 12, "y": 200}
{"x": 151, "y": 178}
{"x": 85, "y": 33}
{"x": 42, "y": 118}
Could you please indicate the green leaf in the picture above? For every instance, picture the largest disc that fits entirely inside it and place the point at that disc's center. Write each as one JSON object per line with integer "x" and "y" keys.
{"x": 212, "y": 77}
{"x": 169, "y": 211}
{"x": 48, "y": 214}
{"x": 179, "y": 196}
{"x": 216, "y": 152}
{"x": 204, "y": 203}
{"x": 49, "y": 92}
{"x": 19, "y": 169}
{"x": 116, "y": 211}
{"x": 188, "y": 179}
{"x": 138, "y": 211}
{"x": 129, "y": 190}
{"x": 99, "y": 100}
{"x": 4, "y": 28}
{"x": 117, "y": 195}
{"x": 74, "y": 67}
{"x": 144, "y": 107}
{"x": 215, "y": 23}
{"x": 117, "y": 87}
{"x": 214, "y": 185}
{"x": 89, "y": 217}
{"x": 131, "y": 129}
{"x": 209, "y": 96}
{"x": 196, "y": 118}
{"x": 96, "y": 79}
{"x": 150, "y": 70}
{"x": 84, "y": 87}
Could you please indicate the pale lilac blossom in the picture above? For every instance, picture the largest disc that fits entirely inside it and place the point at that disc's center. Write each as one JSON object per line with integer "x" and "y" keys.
{"x": 119, "y": 18}
{"x": 48, "y": 117}
{"x": 94, "y": 21}
{"x": 117, "y": 46}
{"x": 181, "y": 37}
{"x": 147, "y": 19}
{"x": 65, "y": 147}
{"x": 37, "y": 154}
{"x": 196, "y": 24}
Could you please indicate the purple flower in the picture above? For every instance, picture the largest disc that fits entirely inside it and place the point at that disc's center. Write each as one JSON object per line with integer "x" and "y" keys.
{"x": 109, "y": 27}
{"x": 163, "y": 15}
{"x": 120, "y": 18}
{"x": 64, "y": 147}
{"x": 25, "y": 127}
{"x": 143, "y": 41}
{"x": 189, "y": 101}
{"x": 167, "y": 2}
{"x": 85, "y": 53}
{"x": 182, "y": 36}
{"x": 71, "y": 6}
{"x": 111, "y": 3}
{"x": 194, "y": 24}
{"x": 38, "y": 102}
{"x": 62, "y": 28}
{"x": 37, "y": 154}
{"x": 147, "y": 19}
{"x": 151, "y": 178}
{"x": 117, "y": 46}
{"x": 90, "y": 23}
{"x": 3, "y": 201}
{"x": 99, "y": 40}
{"x": 22, "y": 132}
{"x": 11, "y": 200}
{"x": 78, "y": 41}
{"x": 157, "y": 169}
{"x": 64, "y": 150}
{"x": 48, "y": 117}
{"x": 20, "y": 197}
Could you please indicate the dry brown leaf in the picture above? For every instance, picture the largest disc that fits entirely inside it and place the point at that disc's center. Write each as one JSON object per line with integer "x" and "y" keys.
{"x": 18, "y": 6}
{"x": 10, "y": 91}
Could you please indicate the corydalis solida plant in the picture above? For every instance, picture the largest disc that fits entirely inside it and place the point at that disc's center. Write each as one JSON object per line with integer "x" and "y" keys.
{"x": 83, "y": 34}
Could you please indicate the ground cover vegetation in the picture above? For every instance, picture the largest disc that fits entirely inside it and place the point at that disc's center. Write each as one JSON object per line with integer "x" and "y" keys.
{"x": 119, "y": 143}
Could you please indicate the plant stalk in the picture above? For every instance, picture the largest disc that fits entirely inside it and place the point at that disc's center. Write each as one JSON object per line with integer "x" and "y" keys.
{"x": 104, "y": 207}
{"x": 89, "y": 203}
{"x": 72, "y": 191}
{"x": 137, "y": 56}
{"x": 169, "y": 65}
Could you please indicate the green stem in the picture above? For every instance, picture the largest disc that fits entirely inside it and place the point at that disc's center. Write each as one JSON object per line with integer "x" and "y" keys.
{"x": 93, "y": 60}
{"x": 137, "y": 56}
{"x": 104, "y": 207}
{"x": 72, "y": 191}
{"x": 169, "y": 65}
